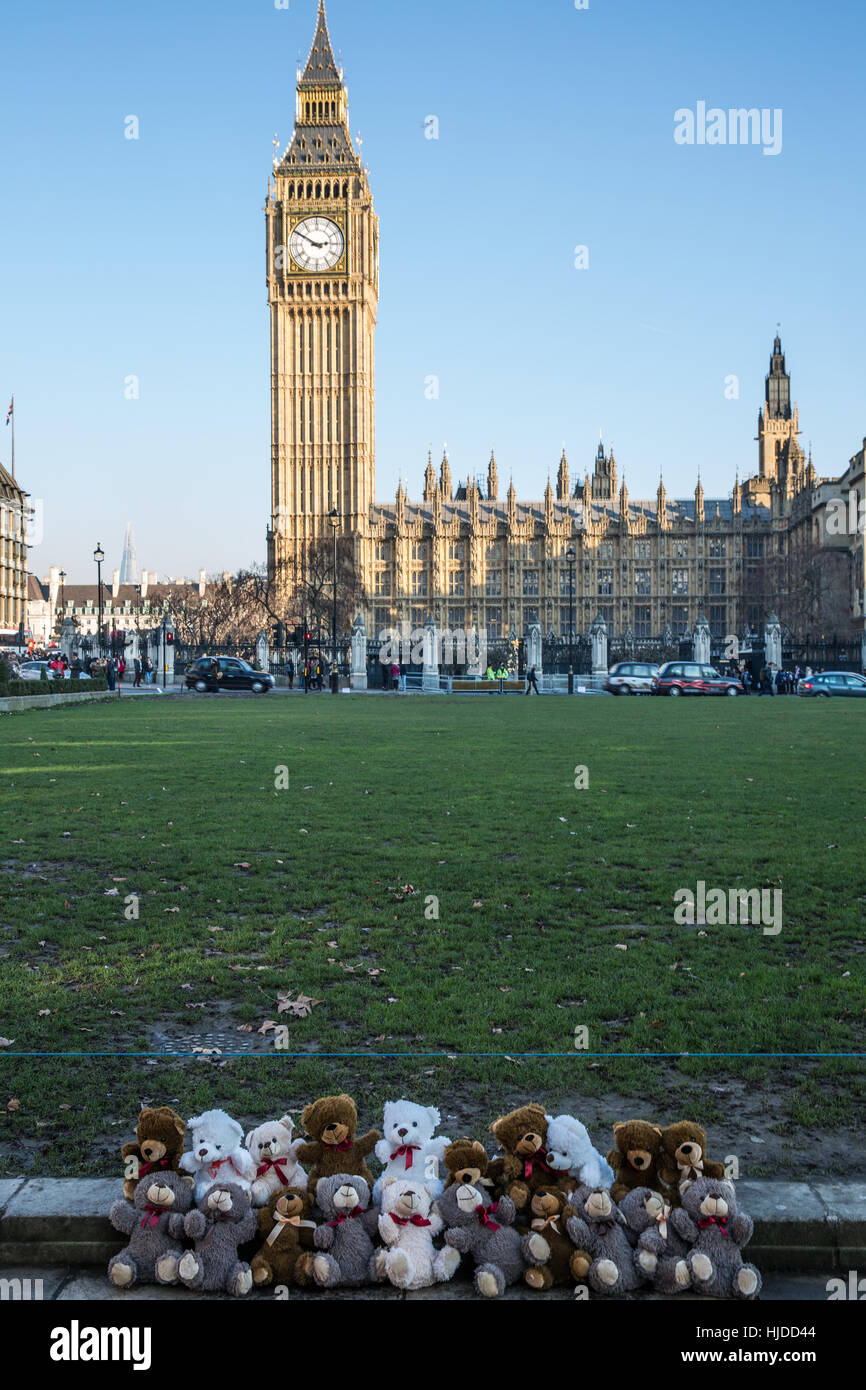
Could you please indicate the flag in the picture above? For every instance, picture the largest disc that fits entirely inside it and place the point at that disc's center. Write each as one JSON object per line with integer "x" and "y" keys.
{"x": 10, "y": 412}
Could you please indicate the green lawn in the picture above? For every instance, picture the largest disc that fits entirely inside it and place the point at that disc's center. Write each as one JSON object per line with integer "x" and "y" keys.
{"x": 539, "y": 887}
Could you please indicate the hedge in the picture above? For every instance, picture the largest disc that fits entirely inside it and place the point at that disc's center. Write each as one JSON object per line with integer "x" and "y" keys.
{"x": 61, "y": 687}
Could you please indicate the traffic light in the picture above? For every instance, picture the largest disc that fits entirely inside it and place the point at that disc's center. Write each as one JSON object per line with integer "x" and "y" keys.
{"x": 297, "y": 636}
{"x": 169, "y": 638}
{"x": 280, "y": 636}
{"x": 307, "y": 635}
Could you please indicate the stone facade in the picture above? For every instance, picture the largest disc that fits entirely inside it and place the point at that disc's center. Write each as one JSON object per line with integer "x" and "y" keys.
{"x": 462, "y": 555}
{"x": 14, "y": 513}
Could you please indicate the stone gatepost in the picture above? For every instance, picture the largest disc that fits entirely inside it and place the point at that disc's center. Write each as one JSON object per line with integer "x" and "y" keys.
{"x": 598, "y": 638}
{"x": 430, "y": 669}
{"x": 701, "y": 643}
{"x": 773, "y": 642}
{"x": 262, "y": 650}
{"x": 533, "y": 649}
{"x": 359, "y": 654}
{"x": 863, "y": 651}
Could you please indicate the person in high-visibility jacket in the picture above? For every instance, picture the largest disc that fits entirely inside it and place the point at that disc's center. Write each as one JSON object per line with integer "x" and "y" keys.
{"x": 490, "y": 676}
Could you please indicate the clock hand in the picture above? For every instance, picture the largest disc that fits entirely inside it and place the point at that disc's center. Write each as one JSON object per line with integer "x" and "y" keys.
{"x": 304, "y": 237}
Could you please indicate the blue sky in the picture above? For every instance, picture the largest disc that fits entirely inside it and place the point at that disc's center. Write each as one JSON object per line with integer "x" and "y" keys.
{"x": 146, "y": 258}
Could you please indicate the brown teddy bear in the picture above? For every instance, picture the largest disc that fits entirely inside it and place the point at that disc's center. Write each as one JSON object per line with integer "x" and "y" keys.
{"x": 286, "y": 1257}
{"x": 524, "y": 1167}
{"x": 157, "y": 1148}
{"x": 331, "y": 1122}
{"x": 550, "y": 1211}
{"x": 684, "y": 1159}
{"x": 636, "y": 1157}
{"x": 467, "y": 1161}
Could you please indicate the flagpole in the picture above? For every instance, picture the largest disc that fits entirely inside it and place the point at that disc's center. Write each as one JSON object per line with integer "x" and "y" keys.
{"x": 13, "y": 438}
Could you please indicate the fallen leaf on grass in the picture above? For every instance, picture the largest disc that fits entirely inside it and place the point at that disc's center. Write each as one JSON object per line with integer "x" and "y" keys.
{"x": 620, "y": 947}
{"x": 242, "y": 865}
{"x": 245, "y": 1028}
{"x": 111, "y": 893}
{"x": 43, "y": 1013}
{"x": 6, "y": 1042}
{"x": 168, "y": 909}
{"x": 13, "y": 1105}
{"x": 301, "y": 1007}
{"x": 268, "y": 1025}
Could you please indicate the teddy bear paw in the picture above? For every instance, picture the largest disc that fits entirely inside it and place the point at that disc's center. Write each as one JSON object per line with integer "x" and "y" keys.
{"x": 702, "y": 1267}
{"x": 747, "y": 1281}
{"x": 188, "y": 1267}
{"x": 399, "y": 1265}
{"x": 261, "y": 1275}
{"x": 534, "y": 1278}
{"x": 489, "y": 1282}
{"x": 166, "y": 1269}
{"x": 538, "y": 1247}
{"x": 122, "y": 1274}
{"x": 242, "y": 1283}
{"x": 647, "y": 1261}
{"x": 607, "y": 1273}
{"x": 447, "y": 1262}
{"x": 682, "y": 1278}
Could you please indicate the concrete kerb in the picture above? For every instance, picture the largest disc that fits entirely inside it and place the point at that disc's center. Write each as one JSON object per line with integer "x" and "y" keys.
{"x": 798, "y": 1225}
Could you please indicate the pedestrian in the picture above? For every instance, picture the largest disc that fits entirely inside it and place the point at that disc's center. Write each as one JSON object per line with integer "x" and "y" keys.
{"x": 747, "y": 681}
{"x": 290, "y": 672}
{"x": 402, "y": 678}
{"x": 121, "y": 668}
{"x": 136, "y": 666}
{"x": 148, "y": 671}
{"x": 531, "y": 681}
{"x": 75, "y": 668}
{"x": 395, "y": 676}
{"x": 111, "y": 673}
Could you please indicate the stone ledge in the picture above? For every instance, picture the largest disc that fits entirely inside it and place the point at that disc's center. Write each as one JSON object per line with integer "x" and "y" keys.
{"x": 798, "y": 1226}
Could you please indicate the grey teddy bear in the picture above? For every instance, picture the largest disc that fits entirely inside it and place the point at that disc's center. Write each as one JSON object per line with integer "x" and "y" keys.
{"x": 223, "y": 1220}
{"x": 154, "y": 1224}
{"x": 485, "y": 1230}
{"x": 661, "y": 1251}
{"x": 345, "y": 1254}
{"x": 716, "y": 1232}
{"x": 600, "y": 1228}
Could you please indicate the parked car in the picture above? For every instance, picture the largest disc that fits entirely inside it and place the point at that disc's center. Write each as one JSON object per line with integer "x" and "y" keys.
{"x": 828, "y": 683}
{"x": 227, "y": 673}
{"x": 691, "y": 678}
{"x": 32, "y": 671}
{"x": 630, "y": 678}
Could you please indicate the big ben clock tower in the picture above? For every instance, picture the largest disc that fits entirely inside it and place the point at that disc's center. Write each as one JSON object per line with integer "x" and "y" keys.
{"x": 323, "y": 289}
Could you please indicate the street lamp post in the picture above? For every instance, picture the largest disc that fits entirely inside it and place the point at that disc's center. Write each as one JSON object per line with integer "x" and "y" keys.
{"x": 334, "y": 518}
{"x": 99, "y": 556}
{"x": 570, "y": 557}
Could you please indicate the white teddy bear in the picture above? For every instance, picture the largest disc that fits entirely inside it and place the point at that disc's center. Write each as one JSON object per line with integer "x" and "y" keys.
{"x": 409, "y": 1149}
{"x": 216, "y": 1154}
{"x": 407, "y": 1225}
{"x": 275, "y": 1157}
{"x": 570, "y": 1150}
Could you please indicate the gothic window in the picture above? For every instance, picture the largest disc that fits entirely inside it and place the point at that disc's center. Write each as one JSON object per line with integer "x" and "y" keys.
{"x": 455, "y": 583}
{"x": 318, "y": 190}
{"x": 605, "y": 550}
{"x": 679, "y": 620}
{"x": 493, "y": 583}
{"x": 455, "y": 550}
{"x": 641, "y": 550}
{"x": 419, "y": 550}
{"x": 718, "y": 583}
{"x": 718, "y": 620}
{"x": 607, "y": 614}
{"x": 493, "y": 553}
{"x": 642, "y": 623}
{"x": 418, "y": 619}
{"x": 530, "y": 553}
{"x": 419, "y": 583}
{"x": 679, "y": 581}
{"x": 565, "y": 577}
{"x": 605, "y": 582}
{"x": 530, "y": 616}
{"x": 327, "y": 190}
{"x": 755, "y": 547}
{"x": 382, "y": 550}
{"x": 380, "y": 618}
{"x": 642, "y": 582}
{"x": 564, "y": 620}
{"x": 383, "y": 583}
{"x": 718, "y": 548}
{"x": 494, "y": 623}
{"x": 530, "y": 583}
{"x": 680, "y": 550}
{"x": 328, "y": 348}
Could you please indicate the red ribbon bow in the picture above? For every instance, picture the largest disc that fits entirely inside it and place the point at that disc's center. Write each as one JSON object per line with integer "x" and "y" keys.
{"x": 720, "y": 1221}
{"x": 409, "y": 1220}
{"x": 539, "y": 1158}
{"x": 154, "y": 1163}
{"x": 152, "y": 1218}
{"x": 213, "y": 1170}
{"x": 356, "y": 1211}
{"x": 483, "y": 1214}
{"x": 278, "y": 1164}
{"x": 346, "y": 1144}
{"x": 407, "y": 1150}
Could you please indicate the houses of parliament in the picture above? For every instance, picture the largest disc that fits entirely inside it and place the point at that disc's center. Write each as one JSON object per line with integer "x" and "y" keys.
{"x": 462, "y": 552}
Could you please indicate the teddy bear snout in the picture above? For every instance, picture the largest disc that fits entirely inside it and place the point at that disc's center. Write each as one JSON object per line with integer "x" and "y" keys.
{"x": 599, "y": 1205}
{"x": 160, "y": 1196}
{"x": 691, "y": 1152}
{"x": 467, "y": 1198}
{"x": 152, "y": 1150}
{"x": 220, "y": 1200}
{"x": 714, "y": 1206}
{"x": 402, "y": 1133}
{"x": 653, "y": 1204}
{"x": 638, "y": 1158}
{"x": 346, "y": 1197}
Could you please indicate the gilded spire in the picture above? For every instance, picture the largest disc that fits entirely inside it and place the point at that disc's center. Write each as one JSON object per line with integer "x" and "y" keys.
{"x": 321, "y": 69}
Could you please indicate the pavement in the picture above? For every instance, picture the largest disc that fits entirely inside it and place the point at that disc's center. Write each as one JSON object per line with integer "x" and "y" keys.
{"x": 57, "y": 1230}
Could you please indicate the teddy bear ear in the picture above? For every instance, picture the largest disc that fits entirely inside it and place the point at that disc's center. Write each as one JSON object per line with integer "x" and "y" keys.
{"x": 180, "y": 1126}
{"x": 189, "y": 1180}
{"x": 248, "y": 1137}
{"x": 657, "y": 1130}
{"x": 288, "y": 1123}
{"x": 435, "y": 1117}
{"x": 618, "y": 1126}
{"x": 388, "y": 1182}
{"x": 196, "y": 1120}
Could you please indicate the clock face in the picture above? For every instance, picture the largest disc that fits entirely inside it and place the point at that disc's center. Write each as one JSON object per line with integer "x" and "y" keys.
{"x": 316, "y": 244}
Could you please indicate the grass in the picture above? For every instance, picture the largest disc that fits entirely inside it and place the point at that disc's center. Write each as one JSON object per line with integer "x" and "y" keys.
{"x": 526, "y": 889}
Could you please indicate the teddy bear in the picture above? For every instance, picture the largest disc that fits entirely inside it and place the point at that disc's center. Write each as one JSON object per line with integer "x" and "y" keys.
{"x": 409, "y": 1149}
{"x": 345, "y": 1254}
{"x": 407, "y": 1224}
{"x": 716, "y": 1232}
{"x": 216, "y": 1155}
{"x": 570, "y": 1151}
{"x": 331, "y": 1122}
{"x": 287, "y": 1232}
{"x": 274, "y": 1154}
{"x": 684, "y": 1158}
{"x": 158, "y": 1145}
{"x": 635, "y": 1158}
{"x": 222, "y": 1220}
{"x": 599, "y": 1228}
{"x": 154, "y": 1224}
{"x": 485, "y": 1230}
{"x": 468, "y": 1161}
{"x": 549, "y": 1213}
{"x": 661, "y": 1251}
{"x": 523, "y": 1136}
